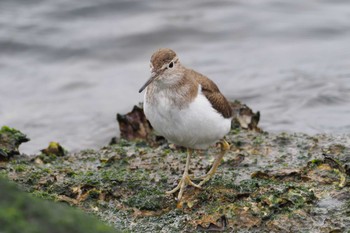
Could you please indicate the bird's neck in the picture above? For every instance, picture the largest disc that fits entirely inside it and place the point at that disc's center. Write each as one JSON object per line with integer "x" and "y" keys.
{"x": 180, "y": 93}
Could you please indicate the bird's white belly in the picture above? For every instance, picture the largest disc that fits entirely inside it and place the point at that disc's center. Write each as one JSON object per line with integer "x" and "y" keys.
{"x": 196, "y": 126}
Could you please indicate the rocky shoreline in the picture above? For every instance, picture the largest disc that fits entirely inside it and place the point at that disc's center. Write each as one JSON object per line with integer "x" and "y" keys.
{"x": 267, "y": 182}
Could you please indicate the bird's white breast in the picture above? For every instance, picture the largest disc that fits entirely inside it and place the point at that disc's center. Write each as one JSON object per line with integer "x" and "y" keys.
{"x": 196, "y": 125}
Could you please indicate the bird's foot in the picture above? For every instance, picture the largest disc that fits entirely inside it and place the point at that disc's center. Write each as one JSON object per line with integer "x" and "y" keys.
{"x": 185, "y": 180}
{"x": 204, "y": 179}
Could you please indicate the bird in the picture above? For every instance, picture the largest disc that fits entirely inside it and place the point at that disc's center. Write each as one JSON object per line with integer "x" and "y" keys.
{"x": 188, "y": 109}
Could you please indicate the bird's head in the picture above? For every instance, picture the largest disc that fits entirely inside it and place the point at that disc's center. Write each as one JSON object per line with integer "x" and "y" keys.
{"x": 164, "y": 65}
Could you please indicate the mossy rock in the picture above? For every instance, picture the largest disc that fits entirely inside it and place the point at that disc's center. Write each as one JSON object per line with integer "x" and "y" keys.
{"x": 54, "y": 149}
{"x": 10, "y": 140}
{"x": 266, "y": 183}
{"x": 20, "y": 212}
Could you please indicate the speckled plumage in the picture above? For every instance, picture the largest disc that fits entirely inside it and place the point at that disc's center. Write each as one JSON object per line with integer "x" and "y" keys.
{"x": 184, "y": 106}
{"x": 161, "y": 57}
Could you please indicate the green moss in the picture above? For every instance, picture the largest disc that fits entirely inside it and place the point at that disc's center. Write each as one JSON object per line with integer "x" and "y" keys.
{"x": 120, "y": 175}
{"x": 89, "y": 178}
{"x": 226, "y": 181}
{"x": 141, "y": 143}
{"x": 258, "y": 140}
{"x": 236, "y": 129}
{"x": 166, "y": 151}
{"x": 32, "y": 215}
{"x": 94, "y": 194}
{"x": 303, "y": 156}
{"x": 54, "y": 150}
{"x": 247, "y": 186}
{"x": 44, "y": 195}
{"x": 282, "y": 198}
{"x": 148, "y": 198}
{"x": 204, "y": 196}
{"x": 10, "y": 139}
{"x": 125, "y": 183}
{"x": 19, "y": 167}
{"x": 315, "y": 162}
{"x": 34, "y": 175}
{"x": 16, "y": 134}
{"x": 123, "y": 142}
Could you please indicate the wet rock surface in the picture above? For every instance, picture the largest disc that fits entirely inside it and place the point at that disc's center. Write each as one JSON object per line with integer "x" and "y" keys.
{"x": 134, "y": 125}
{"x": 10, "y": 140}
{"x": 20, "y": 212}
{"x": 266, "y": 183}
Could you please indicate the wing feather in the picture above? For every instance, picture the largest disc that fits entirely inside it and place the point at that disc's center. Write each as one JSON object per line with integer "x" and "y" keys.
{"x": 213, "y": 94}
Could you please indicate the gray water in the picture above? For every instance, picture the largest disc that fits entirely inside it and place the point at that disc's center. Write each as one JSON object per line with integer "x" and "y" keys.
{"x": 67, "y": 67}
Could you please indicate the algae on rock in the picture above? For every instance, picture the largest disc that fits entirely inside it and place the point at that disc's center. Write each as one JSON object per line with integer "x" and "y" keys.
{"x": 19, "y": 212}
{"x": 10, "y": 140}
{"x": 267, "y": 183}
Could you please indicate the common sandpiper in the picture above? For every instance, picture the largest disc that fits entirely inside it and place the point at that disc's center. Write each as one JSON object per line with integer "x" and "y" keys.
{"x": 186, "y": 108}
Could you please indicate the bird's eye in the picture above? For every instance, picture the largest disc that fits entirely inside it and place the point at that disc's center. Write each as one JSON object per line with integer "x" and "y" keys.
{"x": 171, "y": 65}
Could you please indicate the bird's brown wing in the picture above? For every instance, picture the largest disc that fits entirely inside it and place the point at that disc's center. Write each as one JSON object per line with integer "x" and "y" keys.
{"x": 213, "y": 94}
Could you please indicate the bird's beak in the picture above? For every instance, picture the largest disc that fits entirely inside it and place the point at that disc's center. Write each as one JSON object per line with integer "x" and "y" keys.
{"x": 151, "y": 79}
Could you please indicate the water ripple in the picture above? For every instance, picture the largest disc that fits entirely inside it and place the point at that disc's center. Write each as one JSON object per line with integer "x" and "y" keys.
{"x": 68, "y": 67}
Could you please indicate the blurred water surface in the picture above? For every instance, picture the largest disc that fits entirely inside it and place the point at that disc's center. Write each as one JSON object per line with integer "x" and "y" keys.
{"x": 67, "y": 67}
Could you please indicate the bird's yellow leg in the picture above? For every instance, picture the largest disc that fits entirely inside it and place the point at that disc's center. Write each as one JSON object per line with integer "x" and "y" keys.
{"x": 224, "y": 147}
{"x": 185, "y": 180}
